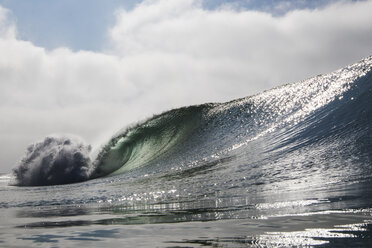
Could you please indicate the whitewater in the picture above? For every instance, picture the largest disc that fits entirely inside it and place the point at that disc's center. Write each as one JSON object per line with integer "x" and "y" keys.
{"x": 289, "y": 167}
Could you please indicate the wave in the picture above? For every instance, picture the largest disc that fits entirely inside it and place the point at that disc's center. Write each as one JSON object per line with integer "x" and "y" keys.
{"x": 286, "y": 119}
{"x": 157, "y": 137}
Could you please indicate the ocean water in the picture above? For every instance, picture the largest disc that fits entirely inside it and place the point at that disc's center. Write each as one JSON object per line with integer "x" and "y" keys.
{"x": 289, "y": 167}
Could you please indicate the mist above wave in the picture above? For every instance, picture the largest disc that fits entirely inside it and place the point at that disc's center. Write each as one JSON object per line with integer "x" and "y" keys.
{"x": 54, "y": 160}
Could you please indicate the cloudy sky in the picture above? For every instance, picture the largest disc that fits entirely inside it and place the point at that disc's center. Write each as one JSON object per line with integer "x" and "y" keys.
{"x": 90, "y": 67}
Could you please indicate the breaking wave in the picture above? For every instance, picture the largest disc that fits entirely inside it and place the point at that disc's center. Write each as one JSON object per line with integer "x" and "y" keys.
{"x": 327, "y": 109}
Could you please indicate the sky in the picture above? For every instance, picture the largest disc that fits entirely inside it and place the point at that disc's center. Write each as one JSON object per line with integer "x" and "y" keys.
{"x": 91, "y": 67}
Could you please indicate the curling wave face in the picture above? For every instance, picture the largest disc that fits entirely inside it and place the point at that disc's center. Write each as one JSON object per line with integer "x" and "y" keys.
{"x": 326, "y": 118}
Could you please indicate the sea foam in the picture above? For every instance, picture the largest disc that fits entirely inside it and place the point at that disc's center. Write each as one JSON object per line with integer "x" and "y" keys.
{"x": 54, "y": 160}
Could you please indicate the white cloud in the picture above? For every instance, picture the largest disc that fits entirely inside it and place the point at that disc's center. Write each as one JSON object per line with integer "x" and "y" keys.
{"x": 165, "y": 54}
{"x": 7, "y": 28}
{"x": 246, "y": 44}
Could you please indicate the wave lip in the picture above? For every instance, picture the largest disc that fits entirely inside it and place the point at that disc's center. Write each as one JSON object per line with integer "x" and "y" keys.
{"x": 55, "y": 160}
